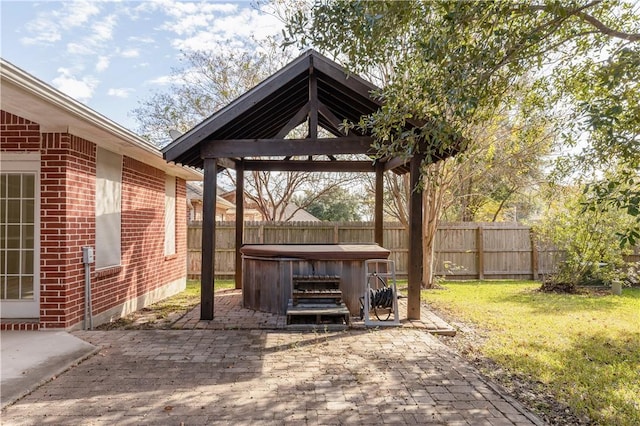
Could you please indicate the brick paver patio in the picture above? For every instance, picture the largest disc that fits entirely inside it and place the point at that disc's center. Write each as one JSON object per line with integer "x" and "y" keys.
{"x": 209, "y": 375}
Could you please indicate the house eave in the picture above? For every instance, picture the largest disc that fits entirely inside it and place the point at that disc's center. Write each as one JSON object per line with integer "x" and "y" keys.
{"x": 24, "y": 95}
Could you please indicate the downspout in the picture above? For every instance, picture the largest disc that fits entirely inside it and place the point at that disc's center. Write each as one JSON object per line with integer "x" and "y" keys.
{"x": 87, "y": 260}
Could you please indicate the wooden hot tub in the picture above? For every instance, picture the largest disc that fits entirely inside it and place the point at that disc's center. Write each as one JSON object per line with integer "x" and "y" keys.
{"x": 267, "y": 271}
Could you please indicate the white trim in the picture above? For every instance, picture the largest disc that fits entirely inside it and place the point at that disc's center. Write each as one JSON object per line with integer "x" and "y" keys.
{"x": 12, "y": 158}
{"x": 26, "y": 162}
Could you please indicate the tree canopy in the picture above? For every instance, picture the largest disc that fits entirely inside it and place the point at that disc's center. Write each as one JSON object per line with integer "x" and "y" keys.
{"x": 455, "y": 63}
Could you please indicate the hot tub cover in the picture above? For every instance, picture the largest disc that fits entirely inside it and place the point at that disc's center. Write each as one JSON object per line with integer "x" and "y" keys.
{"x": 317, "y": 251}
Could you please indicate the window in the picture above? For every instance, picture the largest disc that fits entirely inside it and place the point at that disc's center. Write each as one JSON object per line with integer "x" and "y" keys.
{"x": 108, "y": 208}
{"x": 169, "y": 216}
{"x": 20, "y": 235}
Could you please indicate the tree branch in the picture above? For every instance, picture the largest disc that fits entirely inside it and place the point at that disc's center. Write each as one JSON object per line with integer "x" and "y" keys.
{"x": 599, "y": 25}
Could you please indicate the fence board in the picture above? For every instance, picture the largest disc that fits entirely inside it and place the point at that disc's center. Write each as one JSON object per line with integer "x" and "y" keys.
{"x": 462, "y": 250}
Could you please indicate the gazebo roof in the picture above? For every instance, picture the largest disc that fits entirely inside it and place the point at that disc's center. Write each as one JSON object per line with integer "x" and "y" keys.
{"x": 280, "y": 103}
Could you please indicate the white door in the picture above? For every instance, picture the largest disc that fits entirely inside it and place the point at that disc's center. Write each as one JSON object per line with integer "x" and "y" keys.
{"x": 19, "y": 237}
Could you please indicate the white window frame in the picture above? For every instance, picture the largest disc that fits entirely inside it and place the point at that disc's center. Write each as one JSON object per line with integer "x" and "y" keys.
{"x": 26, "y": 163}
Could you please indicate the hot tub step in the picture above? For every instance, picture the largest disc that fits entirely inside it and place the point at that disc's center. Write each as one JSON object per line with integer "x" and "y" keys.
{"x": 317, "y": 314}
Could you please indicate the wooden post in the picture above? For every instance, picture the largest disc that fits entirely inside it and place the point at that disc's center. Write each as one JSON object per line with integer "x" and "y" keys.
{"x": 207, "y": 274}
{"x": 239, "y": 220}
{"x": 379, "y": 204}
{"x": 534, "y": 255}
{"x": 313, "y": 101}
{"x": 480, "y": 248}
{"x": 415, "y": 241}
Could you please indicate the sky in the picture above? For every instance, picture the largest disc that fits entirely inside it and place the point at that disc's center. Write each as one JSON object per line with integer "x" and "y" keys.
{"x": 111, "y": 55}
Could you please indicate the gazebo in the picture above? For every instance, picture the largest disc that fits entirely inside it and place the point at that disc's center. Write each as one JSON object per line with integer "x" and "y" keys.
{"x": 250, "y": 134}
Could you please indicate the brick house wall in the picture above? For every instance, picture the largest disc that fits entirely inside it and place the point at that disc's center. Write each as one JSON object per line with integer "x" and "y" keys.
{"x": 67, "y": 223}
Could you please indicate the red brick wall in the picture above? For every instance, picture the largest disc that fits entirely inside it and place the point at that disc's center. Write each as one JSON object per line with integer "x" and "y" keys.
{"x": 18, "y": 134}
{"x": 67, "y": 212}
{"x": 68, "y": 223}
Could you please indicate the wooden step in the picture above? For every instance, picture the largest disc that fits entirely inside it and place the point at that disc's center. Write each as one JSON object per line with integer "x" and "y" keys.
{"x": 318, "y": 313}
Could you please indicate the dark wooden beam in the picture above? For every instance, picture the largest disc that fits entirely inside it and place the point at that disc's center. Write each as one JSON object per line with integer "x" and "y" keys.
{"x": 283, "y": 147}
{"x": 331, "y": 118}
{"x": 394, "y": 162}
{"x": 207, "y": 274}
{"x": 239, "y": 220}
{"x": 294, "y": 122}
{"x": 415, "y": 242}
{"x": 309, "y": 166}
{"x": 313, "y": 101}
{"x": 379, "y": 204}
{"x": 227, "y": 163}
{"x": 352, "y": 81}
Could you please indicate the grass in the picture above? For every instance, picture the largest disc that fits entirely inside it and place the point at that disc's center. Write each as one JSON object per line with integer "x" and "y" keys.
{"x": 584, "y": 349}
{"x": 187, "y": 299}
{"x": 166, "y": 311}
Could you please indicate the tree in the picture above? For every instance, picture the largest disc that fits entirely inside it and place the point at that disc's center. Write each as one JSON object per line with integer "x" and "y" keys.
{"x": 587, "y": 239}
{"x": 207, "y": 82}
{"x": 461, "y": 60}
{"x": 336, "y": 205}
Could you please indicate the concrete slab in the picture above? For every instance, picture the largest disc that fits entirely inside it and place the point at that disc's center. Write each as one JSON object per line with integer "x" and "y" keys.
{"x": 31, "y": 358}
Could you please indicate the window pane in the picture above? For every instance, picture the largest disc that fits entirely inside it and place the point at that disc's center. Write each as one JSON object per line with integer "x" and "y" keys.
{"x": 13, "y": 188}
{"x": 2, "y": 263}
{"x": 27, "y": 262}
{"x": 27, "y": 211}
{"x": 2, "y": 281}
{"x": 13, "y": 261}
{"x": 27, "y": 236}
{"x": 3, "y": 186}
{"x": 13, "y": 236}
{"x": 27, "y": 288}
{"x": 13, "y": 288}
{"x": 13, "y": 211}
{"x": 28, "y": 186}
{"x": 3, "y": 211}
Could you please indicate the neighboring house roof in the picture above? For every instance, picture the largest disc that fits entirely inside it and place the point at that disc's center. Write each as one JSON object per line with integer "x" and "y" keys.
{"x": 299, "y": 215}
{"x": 195, "y": 192}
{"x": 24, "y": 95}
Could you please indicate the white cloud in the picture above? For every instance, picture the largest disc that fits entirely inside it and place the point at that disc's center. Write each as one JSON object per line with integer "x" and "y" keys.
{"x": 80, "y": 89}
{"x": 163, "y": 80}
{"x": 76, "y": 13}
{"x": 103, "y": 63}
{"x": 103, "y": 29}
{"x": 49, "y": 25}
{"x": 141, "y": 39}
{"x": 130, "y": 53}
{"x": 120, "y": 93}
{"x": 208, "y": 31}
{"x": 81, "y": 49}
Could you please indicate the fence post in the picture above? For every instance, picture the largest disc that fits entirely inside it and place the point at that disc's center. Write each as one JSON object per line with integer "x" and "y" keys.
{"x": 534, "y": 255}
{"x": 480, "y": 247}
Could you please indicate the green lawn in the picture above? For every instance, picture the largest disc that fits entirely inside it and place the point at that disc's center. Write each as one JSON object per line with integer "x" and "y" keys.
{"x": 585, "y": 349}
{"x": 190, "y": 297}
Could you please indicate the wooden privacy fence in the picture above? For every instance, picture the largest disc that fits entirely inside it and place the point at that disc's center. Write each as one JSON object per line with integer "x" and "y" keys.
{"x": 462, "y": 250}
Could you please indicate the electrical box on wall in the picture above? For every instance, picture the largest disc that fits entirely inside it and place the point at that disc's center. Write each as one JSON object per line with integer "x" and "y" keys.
{"x": 87, "y": 255}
